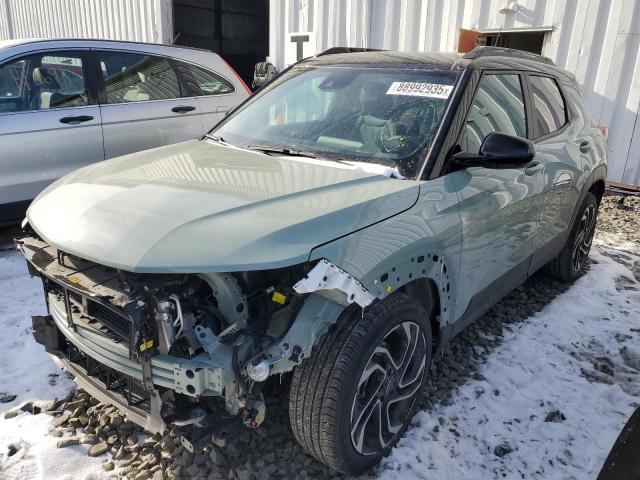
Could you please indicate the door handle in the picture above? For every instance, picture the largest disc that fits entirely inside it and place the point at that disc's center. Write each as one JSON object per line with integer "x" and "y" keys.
{"x": 183, "y": 109}
{"x": 532, "y": 168}
{"x": 585, "y": 146}
{"x": 76, "y": 120}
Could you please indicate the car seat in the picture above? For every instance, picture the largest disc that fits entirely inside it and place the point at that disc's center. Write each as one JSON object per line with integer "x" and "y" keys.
{"x": 46, "y": 94}
{"x": 376, "y": 107}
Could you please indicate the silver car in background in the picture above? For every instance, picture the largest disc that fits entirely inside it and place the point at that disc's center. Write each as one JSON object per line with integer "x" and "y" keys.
{"x": 68, "y": 103}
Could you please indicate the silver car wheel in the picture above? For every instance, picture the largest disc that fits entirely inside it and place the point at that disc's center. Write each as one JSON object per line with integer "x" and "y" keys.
{"x": 584, "y": 238}
{"x": 388, "y": 388}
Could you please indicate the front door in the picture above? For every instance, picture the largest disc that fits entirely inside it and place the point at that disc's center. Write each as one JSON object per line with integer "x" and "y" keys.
{"x": 499, "y": 207}
{"x": 48, "y": 125}
{"x": 143, "y": 104}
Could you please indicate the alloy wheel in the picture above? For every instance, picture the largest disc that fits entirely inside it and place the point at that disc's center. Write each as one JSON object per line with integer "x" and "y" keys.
{"x": 388, "y": 388}
{"x": 584, "y": 238}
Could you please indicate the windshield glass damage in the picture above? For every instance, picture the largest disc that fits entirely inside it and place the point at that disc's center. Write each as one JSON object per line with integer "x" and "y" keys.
{"x": 371, "y": 115}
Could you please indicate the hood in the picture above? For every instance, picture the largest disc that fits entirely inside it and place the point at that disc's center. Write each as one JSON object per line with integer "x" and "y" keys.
{"x": 203, "y": 207}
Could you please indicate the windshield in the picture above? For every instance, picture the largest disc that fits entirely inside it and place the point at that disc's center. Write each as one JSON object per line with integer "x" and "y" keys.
{"x": 375, "y": 115}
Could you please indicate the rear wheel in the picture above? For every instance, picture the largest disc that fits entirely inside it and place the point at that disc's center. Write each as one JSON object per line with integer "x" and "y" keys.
{"x": 353, "y": 398}
{"x": 570, "y": 264}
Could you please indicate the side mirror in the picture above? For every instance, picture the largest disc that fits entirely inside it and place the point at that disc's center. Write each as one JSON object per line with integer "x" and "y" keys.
{"x": 498, "y": 151}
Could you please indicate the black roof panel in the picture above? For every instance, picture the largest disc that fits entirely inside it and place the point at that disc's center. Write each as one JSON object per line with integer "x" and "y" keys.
{"x": 387, "y": 58}
{"x": 480, "y": 57}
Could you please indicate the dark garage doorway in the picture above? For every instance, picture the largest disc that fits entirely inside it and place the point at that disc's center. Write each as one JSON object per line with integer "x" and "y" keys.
{"x": 527, "y": 39}
{"x": 237, "y": 30}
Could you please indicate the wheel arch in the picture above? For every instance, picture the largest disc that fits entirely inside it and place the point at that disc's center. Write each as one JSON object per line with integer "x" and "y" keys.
{"x": 598, "y": 189}
{"x": 426, "y": 292}
{"x": 595, "y": 183}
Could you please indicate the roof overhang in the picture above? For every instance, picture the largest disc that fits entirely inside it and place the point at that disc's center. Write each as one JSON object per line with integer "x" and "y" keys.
{"x": 516, "y": 30}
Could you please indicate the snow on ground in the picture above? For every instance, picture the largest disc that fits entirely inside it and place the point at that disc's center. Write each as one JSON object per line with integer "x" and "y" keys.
{"x": 27, "y": 372}
{"x": 557, "y": 391}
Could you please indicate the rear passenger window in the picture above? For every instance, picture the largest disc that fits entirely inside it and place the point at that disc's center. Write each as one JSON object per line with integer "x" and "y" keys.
{"x": 549, "y": 110}
{"x": 201, "y": 82}
{"x": 132, "y": 77}
{"x": 498, "y": 107}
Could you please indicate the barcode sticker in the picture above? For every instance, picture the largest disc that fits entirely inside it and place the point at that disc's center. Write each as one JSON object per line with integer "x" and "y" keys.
{"x": 418, "y": 89}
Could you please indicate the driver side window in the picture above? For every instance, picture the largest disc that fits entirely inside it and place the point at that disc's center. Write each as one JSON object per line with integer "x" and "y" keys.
{"x": 497, "y": 107}
{"x": 42, "y": 81}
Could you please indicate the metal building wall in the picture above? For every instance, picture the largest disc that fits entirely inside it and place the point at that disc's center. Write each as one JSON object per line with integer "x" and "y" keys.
{"x": 597, "y": 40}
{"x": 137, "y": 20}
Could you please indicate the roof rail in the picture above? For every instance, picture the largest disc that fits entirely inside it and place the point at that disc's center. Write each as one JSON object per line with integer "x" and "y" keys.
{"x": 336, "y": 50}
{"x": 480, "y": 52}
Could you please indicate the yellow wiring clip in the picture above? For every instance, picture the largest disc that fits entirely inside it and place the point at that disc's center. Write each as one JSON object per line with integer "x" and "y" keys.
{"x": 389, "y": 288}
{"x": 279, "y": 298}
{"x": 73, "y": 280}
{"x": 144, "y": 346}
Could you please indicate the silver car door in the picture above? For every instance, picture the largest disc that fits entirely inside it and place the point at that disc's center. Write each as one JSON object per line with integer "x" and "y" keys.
{"x": 216, "y": 94}
{"x": 142, "y": 103}
{"x": 48, "y": 125}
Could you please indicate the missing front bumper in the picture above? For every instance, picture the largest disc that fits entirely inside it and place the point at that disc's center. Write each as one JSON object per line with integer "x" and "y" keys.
{"x": 100, "y": 381}
{"x": 127, "y": 394}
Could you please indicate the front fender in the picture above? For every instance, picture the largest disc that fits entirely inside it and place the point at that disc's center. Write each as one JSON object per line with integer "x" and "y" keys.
{"x": 423, "y": 242}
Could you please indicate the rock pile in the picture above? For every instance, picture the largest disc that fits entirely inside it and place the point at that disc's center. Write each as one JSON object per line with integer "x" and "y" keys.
{"x": 268, "y": 452}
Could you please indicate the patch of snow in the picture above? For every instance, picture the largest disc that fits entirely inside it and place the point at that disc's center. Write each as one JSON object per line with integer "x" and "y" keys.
{"x": 37, "y": 456}
{"x": 391, "y": 172}
{"x": 557, "y": 392}
{"x": 27, "y": 372}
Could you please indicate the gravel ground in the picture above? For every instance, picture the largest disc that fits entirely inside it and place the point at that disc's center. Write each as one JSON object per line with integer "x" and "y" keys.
{"x": 620, "y": 215}
{"x": 271, "y": 451}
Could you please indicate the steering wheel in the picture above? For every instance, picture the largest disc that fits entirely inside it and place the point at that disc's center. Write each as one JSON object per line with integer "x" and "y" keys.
{"x": 401, "y": 132}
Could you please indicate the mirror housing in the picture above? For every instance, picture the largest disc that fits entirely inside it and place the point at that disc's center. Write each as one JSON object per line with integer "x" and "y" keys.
{"x": 498, "y": 150}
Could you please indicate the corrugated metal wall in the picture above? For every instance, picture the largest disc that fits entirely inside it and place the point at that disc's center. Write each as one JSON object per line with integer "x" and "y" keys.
{"x": 598, "y": 40}
{"x": 137, "y": 20}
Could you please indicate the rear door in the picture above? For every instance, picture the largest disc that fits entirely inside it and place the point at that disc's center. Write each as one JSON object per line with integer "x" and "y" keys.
{"x": 499, "y": 207}
{"x": 142, "y": 102}
{"x": 215, "y": 94}
{"x": 561, "y": 147}
{"x": 49, "y": 121}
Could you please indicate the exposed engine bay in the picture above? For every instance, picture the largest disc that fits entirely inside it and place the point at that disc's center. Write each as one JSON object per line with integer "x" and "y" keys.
{"x": 190, "y": 351}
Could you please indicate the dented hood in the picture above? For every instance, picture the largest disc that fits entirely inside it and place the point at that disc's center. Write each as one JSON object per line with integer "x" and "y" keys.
{"x": 203, "y": 207}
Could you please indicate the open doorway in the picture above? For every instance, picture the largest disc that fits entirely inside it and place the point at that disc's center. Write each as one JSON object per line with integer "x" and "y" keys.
{"x": 528, "y": 39}
{"x": 237, "y": 30}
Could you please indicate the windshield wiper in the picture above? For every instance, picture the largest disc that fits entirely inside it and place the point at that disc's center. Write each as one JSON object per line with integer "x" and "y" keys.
{"x": 216, "y": 139}
{"x": 292, "y": 152}
{"x": 289, "y": 152}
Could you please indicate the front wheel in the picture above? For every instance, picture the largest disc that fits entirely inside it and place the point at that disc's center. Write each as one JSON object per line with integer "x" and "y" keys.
{"x": 353, "y": 398}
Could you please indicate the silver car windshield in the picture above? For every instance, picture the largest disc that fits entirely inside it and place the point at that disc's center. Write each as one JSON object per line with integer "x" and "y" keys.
{"x": 377, "y": 115}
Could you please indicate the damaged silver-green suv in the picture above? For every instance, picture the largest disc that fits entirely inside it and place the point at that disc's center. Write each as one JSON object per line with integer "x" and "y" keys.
{"x": 337, "y": 229}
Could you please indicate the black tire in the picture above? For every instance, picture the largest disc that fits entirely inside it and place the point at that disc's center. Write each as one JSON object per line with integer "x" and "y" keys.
{"x": 570, "y": 263}
{"x": 323, "y": 401}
